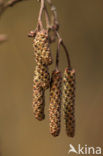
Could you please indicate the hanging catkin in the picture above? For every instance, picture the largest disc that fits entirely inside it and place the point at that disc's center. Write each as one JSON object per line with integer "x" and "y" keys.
{"x": 43, "y": 38}
{"x": 69, "y": 101}
{"x": 38, "y": 103}
{"x": 55, "y": 103}
{"x": 41, "y": 76}
{"x": 41, "y": 82}
{"x": 41, "y": 48}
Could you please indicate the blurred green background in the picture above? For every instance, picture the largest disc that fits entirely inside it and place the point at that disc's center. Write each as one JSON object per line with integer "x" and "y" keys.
{"x": 81, "y": 26}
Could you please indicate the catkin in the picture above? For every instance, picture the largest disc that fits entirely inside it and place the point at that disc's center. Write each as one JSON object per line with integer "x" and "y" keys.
{"x": 41, "y": 82}
{"x": 41, "y": 48}
{"x": 38, "y": 103}
{"x": 55, "y": 103}
{"x": 69, "y": 101}
{"x": 42, "y": 76}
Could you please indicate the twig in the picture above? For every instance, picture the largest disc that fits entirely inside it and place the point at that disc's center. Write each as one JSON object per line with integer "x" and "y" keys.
{"x": 39, "y": 27}
{"x": 55, "y": 27}
{"x": 52, "y": 38}
{"x": 12, "y": 3}
{"x": 40, "y": 15}
{"x": 57, "y": 54}
{"x": 47, "y": 18}
{"x": 8, "y": 4}
{"x": 55, "y": 22}
{"x": 65, "y": 49}
{"x": 3, "y": 7}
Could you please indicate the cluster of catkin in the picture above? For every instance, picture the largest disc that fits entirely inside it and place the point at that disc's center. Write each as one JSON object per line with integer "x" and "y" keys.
{"x": 43, "y": 81}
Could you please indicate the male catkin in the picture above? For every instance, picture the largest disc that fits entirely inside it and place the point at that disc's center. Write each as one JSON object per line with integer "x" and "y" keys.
{"x": 41, "y": 48}
{"x": 38, "y": 103}
{"x": 42, "y": 76}
{"x": 55, "y": 103}
{"x": 69, "y": 101}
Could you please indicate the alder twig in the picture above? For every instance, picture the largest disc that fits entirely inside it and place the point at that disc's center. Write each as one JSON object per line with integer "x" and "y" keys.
{"x": 40, "y": 15}
{"x": 65, "y": 49}
{"x": 3, "y": 7}
{"x": 55, "y": 22}
{"x": 10, "y": 3}
{"x": 57, "y": 54}
{"x": 55, "y": 26}
{"x": 47, "y": 18}
{"x": 39, "y": 27}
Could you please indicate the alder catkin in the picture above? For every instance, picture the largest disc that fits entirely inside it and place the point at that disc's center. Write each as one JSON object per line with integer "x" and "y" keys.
{"x": 55, "y": 103}
{"x": 69, "y": 101}
{"x": 42, "y": 76}
{"x": 38, "y": 102}
{"x": 41, "y": 48}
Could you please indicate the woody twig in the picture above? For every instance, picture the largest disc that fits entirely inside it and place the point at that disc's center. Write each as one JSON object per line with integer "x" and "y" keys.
{"x": 3, "y": 7}
{"x": 55, "y": 26}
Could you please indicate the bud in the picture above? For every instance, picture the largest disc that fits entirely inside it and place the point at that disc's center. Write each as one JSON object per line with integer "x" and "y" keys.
{"x": 69, "y": 101}
{"x": 55, "y": 103}
{"x": 41, "y": 48}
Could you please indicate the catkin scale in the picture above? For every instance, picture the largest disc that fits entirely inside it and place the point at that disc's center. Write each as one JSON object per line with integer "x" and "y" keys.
{"x": 41, "y": 48}
{"x": 69, "y": 101}
{"x": 55, "y": 103}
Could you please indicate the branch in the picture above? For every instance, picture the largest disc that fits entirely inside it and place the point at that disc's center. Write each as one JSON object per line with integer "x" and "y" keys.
{"x": 12, "y": 3}
{"x": 5, "y": 5}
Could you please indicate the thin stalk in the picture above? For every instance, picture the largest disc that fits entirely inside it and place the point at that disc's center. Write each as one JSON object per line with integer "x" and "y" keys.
{"x": 40, "y": 15}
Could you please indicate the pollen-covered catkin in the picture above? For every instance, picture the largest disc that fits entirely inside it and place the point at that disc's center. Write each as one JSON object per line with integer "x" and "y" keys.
{"x": 42, "y": 76}
{"x": 41, "y": 46}
{"x": 69, "y": 101}
{"x": 38, "y": 102}
{"x": 55, "y": 103}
